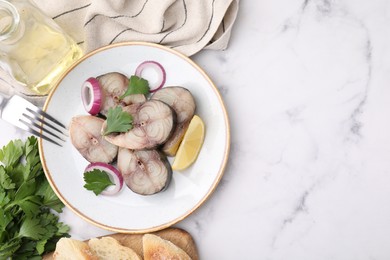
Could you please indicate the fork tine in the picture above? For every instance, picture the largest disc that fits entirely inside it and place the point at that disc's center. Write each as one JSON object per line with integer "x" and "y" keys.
{"x": 39, "y": 112}
{"x": 32, "y": 119}
{"x": 31, "y": 130}
{"x": 40, "y": 126}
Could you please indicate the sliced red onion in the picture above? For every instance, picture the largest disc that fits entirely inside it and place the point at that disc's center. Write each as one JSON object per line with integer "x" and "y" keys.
{"x": 91, "y": 94}
{"x": 158, "y": 68}
{"x": 113, "y": 173}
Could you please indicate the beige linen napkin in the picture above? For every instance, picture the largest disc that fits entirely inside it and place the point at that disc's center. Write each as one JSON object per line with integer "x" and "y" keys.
{"x": 185, "y": 25}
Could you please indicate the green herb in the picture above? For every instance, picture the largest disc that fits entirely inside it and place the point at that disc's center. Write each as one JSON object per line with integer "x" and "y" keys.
{"x": 118, "y": 121}
{"x": 97, "y": 181}
{"x": 28, "y": 226}
{"x": 137, "y": 85}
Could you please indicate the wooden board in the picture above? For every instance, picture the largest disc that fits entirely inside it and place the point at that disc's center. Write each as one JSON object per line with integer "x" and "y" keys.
{"x": 179, "y": 237}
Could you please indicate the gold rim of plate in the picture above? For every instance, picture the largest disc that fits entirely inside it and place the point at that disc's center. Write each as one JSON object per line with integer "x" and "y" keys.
{"x": 221, "y": 168}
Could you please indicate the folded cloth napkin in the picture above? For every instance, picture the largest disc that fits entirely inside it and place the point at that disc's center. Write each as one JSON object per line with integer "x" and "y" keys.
{"x": 184, "y": 25}
{"x": 187, "y": 26}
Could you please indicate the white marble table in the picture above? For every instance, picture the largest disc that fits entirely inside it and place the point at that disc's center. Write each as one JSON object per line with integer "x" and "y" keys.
{"x": 307, "y": 87}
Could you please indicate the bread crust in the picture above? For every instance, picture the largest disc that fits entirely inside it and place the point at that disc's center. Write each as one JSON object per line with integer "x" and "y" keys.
{"x": 156, "y": 248}
{"x": 177, "y": 236}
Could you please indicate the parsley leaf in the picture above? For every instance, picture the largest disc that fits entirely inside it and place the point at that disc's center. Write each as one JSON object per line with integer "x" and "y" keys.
{"x": 137, "y": 85}
{"x": 118, "y": 121}
{"x": 11, "y": 153}
{"x": 8, "y": 248}
{"x": 97, "y": 181}
{"x": 32, "y": 228}
{"x": 49, "y": 198}
{"x": 5, "y": 180}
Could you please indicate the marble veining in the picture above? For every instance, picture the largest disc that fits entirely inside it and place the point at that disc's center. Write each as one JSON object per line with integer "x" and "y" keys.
{"x": 306, "y": 84}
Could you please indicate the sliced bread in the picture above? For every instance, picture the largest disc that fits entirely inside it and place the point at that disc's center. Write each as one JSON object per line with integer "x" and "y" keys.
{"x": 71, "y": 249}
{"x": 156, "y": 248}
{"x": 108, "y": 248}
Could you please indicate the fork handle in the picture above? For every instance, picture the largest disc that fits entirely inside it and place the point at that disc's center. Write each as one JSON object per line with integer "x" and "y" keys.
{"x": 3, "y": 101}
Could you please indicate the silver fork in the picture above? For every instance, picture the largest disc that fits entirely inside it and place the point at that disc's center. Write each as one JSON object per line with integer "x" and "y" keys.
{"x": 25, "y": 115}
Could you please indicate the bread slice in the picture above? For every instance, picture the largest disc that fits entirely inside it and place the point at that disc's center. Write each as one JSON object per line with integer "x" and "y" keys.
{"x": 156, "y": 248}
{"x": 71, "y": 249}
{"x": 108, "y": 248}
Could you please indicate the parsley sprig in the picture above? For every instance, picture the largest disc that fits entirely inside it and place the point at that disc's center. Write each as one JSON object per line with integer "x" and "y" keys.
{"x": 118, "y": 121}
{"x": 137, "y": 85}
{"x": 28, "y": 226}
{"x": 97, "y": 181}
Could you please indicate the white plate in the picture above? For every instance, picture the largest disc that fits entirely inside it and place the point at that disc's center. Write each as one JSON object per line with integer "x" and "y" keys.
{"x": 128, "y": 212}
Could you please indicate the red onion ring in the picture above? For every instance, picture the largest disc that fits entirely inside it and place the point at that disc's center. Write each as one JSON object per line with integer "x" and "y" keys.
{"x": 158, "y": 68}
{"x": 112, "y": 172}
{"x": 91, "y": 96}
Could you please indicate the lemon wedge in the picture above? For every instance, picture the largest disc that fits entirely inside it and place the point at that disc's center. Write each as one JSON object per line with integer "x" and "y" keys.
{"x": 190, "y": 146}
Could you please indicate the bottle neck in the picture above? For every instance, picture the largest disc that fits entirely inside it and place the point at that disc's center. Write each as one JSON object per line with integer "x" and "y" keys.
{"x": 9, "y": 21}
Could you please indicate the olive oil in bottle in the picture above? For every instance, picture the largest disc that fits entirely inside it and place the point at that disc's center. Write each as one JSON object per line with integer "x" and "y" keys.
{"x": 34, "y": 50}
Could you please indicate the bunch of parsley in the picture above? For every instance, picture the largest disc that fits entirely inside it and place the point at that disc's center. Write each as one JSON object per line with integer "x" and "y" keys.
{"x": 29, "y": 226}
